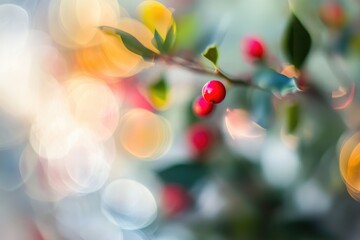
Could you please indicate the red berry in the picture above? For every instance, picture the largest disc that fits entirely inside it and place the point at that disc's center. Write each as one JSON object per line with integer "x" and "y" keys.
{"x": 201, "y": 107}
{"x": 332, "y": 14}
{"x": 253, "y": 48}
{"x": 200, "y": 137}
{"x": 214, "y": 91}
{"x": 175, "y": 200}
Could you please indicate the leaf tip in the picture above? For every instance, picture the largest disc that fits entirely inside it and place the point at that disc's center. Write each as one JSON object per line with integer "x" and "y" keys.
{"x": 212, "y": 54}
{"x": 107, "y": 30}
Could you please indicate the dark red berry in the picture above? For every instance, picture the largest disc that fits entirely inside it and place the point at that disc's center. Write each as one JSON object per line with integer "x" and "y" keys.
{"x": 253, "y": 48}
{"x": 200, "y": 138}
{"x": 214, "y": 91}
{"x": 201, "y": 107}
{"x": 175, "y": 200}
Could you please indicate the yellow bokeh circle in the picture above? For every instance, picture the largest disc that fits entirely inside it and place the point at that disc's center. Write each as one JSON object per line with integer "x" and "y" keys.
{"x": 144, "y": 134}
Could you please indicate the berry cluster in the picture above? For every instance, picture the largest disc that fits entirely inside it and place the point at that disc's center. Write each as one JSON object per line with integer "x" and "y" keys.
{"x": 213, "y": 93}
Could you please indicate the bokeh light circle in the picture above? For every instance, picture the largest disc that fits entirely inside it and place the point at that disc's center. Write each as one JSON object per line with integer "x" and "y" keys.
{"x": 144, "y": 134}
{"x": 239, "y": 125}
{"x": 79, "y": 217}
{"x": 93, "y": 105}
{"x": 14, "y": 30}
{"x": 280, "y": 164}
{"x": 73, "y": 23}
{"x": 36, "y": 174}
{"x": 129, "y": 204}
{"x": 349, "y": 162}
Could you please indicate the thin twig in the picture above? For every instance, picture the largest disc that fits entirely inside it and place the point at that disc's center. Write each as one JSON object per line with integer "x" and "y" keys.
{"x": 197, "y": 67}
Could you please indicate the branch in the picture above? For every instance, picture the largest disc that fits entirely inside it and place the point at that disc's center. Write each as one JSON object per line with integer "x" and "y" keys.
{"x": 197, "y": 67}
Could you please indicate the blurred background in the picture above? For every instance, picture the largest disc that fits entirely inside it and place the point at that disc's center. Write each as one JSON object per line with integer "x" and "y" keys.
{"x": 97, "y": 143}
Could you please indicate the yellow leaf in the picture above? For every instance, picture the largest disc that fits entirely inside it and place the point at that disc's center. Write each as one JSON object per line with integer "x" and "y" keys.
{"x": 159, "y": 103}
{"x": 156, "y": 17}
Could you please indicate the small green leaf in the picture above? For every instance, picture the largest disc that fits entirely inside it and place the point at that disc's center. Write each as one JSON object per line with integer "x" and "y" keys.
{"x": 158, "y": 42}
{"x": 159, "y": 93}
{"x": 169, "y": 39}
{"x": 297, "y": 42}
{"x": 130, "y": 42}
{"x": 292, "y": 115}
{"x": 211, "y": 54}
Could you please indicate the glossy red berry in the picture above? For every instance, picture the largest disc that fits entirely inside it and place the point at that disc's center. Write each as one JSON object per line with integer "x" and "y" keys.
{"x": 201, "y": 107}
{"x": 175, "y": 200}
{"x": 214, "y": 91}
{"x": 200, "y": 138}
{"x": 253, "y": 48}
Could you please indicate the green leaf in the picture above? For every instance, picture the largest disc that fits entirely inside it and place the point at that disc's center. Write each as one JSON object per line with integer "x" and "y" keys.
{"x": 297, "y": 42}
{"x": 158, "y": 41}
{"x": 278, "y": 83}
{"x": 184, "y": 174}
{"x": 164, "y": 45}
{"x": 292, "y": 115}
{"x": 130, "y": 42}
{"x": 159, "y": 93}
{"x": 169, "y": 39}
{"x": 211, "y": 54}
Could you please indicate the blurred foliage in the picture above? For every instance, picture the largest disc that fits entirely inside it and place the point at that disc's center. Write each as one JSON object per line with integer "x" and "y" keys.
{"x": 272, "y": 171}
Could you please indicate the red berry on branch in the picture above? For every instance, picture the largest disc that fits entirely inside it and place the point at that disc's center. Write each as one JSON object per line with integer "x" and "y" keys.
{"x": 201, "y": 107}
{"x": 214, "y": 91}
{"x": 253, "y": 48}
{"x": 175, "y": 200}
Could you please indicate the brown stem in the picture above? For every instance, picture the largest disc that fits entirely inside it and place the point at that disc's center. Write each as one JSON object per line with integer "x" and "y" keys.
{"x": 197, "y": 67}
